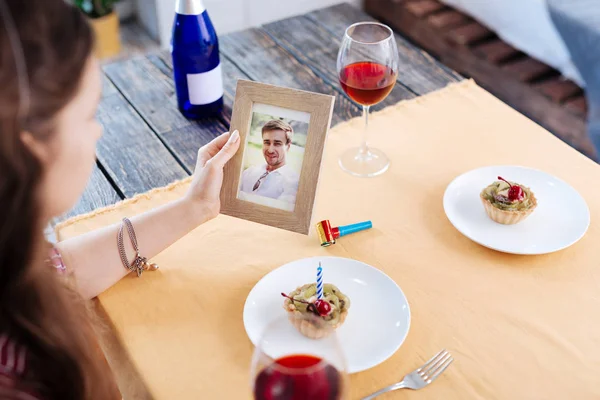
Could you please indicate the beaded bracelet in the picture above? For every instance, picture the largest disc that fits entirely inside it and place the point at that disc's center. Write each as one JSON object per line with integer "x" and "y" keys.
{"x": 139, "y": 264}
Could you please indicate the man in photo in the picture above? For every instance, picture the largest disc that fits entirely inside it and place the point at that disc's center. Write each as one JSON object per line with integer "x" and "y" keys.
{"x": 273, "y": 179}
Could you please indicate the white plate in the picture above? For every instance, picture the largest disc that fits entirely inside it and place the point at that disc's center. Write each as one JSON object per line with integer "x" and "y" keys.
{"x": 561, "y": 218}
{"x": 379, "y": 315}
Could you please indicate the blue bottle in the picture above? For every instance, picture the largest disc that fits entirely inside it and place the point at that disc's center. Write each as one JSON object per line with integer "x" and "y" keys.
{"x": 196, "y": 62}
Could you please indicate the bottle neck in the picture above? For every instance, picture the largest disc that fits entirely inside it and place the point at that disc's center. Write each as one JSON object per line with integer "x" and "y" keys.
{"x": 189, "y": 7}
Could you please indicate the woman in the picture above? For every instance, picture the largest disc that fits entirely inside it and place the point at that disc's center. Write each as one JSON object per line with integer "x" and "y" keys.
{"x": 51, "y": 86}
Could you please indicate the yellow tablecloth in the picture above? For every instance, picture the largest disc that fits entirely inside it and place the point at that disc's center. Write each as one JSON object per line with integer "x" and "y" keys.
{"x": 519, "y": 327}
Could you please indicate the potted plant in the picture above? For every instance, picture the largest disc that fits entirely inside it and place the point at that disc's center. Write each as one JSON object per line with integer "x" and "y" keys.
{"x": 105, "y": 23}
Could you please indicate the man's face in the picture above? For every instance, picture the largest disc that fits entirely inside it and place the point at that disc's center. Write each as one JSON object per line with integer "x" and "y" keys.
{"x": 275, "y": 148}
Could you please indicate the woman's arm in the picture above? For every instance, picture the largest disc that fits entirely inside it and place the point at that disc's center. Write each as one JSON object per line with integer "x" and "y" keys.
{"x": 94, "y": 257}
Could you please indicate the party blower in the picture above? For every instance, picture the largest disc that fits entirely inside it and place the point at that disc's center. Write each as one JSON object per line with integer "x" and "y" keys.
{"x": 328, "y": 235}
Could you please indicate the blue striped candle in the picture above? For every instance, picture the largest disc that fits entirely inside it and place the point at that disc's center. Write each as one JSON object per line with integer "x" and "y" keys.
{"x": 320, "y": 282}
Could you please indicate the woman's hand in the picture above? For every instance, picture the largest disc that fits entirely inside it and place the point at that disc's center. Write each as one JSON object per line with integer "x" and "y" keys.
{"x": 206, "y": 184}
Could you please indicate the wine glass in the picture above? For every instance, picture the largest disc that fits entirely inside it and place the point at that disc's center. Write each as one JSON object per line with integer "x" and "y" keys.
{"x": 287, "y": 365}
{"x": 367, "y": 68}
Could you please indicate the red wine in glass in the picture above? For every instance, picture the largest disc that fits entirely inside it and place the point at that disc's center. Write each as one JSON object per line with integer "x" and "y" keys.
{"x": 367, "y": 66}
{"x": 298, "y": 377}
{"x": 367, "y": 82}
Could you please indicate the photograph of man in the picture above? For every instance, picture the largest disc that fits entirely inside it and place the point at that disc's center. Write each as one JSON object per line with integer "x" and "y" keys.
{"x": 273, "y": 178}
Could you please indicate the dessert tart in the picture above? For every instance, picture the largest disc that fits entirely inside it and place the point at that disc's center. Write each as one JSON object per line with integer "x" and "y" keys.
{"x": 316, "y": 318}
{"x": 507, "y": 202}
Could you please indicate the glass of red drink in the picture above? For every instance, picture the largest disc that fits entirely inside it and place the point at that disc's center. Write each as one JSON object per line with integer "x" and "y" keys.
{"x": 289, "y": 366}
{"x": 367, "y": 68}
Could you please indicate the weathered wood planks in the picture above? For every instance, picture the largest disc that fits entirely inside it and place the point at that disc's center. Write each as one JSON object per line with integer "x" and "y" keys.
{"x": 98, "y": 193}
{"x": 152, "y": 94}
{"x": 264, "y": 60}
{"x": 147, "y": 142}
{"x": 129, "y": 151}
{"x": 317, "y": 48}
{"x": 421, "y": 72}
{"x": 231, "y": 74}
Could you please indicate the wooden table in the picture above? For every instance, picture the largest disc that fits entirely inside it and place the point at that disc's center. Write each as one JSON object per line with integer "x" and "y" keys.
{"x": 147, "y": 143}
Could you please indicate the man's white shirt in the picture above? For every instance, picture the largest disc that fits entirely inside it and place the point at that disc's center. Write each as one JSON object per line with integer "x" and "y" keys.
{"x": 281, "y": 184}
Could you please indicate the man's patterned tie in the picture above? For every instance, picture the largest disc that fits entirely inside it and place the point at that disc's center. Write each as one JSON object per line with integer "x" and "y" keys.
{"x": 259, "y": 181}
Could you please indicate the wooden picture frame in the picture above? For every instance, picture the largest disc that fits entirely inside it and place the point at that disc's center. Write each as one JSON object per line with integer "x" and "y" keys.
{"x": 256, "y": 102}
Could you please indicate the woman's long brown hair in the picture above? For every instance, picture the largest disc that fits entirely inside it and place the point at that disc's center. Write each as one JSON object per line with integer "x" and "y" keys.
{"x": 36, "y": 308}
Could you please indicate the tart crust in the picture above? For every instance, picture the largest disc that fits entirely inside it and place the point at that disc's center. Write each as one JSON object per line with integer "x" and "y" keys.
{"x": 508, "y": 217}
{"x": 309, "y": 329}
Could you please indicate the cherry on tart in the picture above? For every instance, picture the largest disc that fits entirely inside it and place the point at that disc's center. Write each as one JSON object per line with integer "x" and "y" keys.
{"x": 515, "y": 193}
{"x": 507, "y": 202}
{"x": 323, "y": 307}
{"x": 320, "y": 308}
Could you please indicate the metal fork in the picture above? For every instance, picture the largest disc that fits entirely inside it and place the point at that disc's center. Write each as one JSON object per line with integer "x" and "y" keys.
{"x": 420, "y": 377}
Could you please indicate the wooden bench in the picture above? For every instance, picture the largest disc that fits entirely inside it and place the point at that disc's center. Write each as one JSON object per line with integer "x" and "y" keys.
{"x": 531, "y": 87}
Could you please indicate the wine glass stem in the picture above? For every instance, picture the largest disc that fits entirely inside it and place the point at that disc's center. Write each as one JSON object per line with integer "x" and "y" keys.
{"x": 364, "y": 148}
